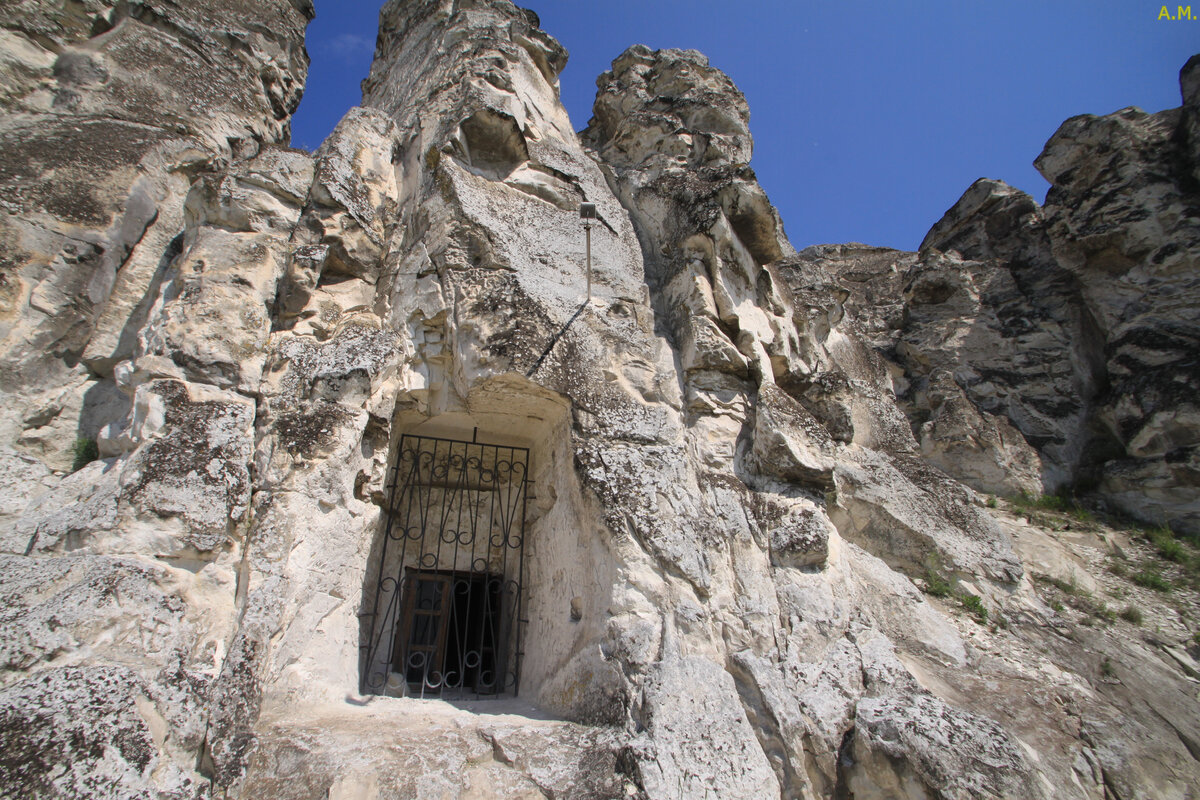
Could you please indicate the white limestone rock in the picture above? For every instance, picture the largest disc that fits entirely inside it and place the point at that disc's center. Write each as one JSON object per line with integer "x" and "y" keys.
{"x": 683, "y": 693}
{"x": 789, "y": 443}
{"x": 907, "y": 513}
{"x": 730, "y": 443}
{"x": 92, "y": 731}
{"x": 941, "y": 751}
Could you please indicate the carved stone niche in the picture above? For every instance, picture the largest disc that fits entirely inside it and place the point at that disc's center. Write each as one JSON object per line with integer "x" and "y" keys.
{"x": 489, "y": 576}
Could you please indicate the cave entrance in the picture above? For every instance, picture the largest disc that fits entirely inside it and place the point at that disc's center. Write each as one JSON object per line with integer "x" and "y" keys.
{"x": 447, "y": 613}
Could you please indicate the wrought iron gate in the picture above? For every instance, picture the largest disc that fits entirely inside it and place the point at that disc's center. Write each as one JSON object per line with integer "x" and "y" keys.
{"x": 447, "y": 613}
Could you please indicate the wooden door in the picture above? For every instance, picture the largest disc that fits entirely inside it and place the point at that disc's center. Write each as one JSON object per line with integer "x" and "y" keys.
{"x": 421, "y": 637}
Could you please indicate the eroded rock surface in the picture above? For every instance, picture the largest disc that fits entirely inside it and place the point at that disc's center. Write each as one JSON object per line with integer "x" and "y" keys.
{"x": 1121, "y": 215}
{"x": 743, "y": 460}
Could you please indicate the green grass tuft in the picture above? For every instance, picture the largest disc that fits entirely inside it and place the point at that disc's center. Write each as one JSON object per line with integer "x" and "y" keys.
{"x": 1132, "y": 613}
{"x": 1066, "y": 587}
{"x": 1045, "y": 502}
{"x": 86, "y": 452}
{"x": 1151, "y": 579}
{"x": 936, "y": 584}
{"x": 1053, "y": 502}
{"x": 1082, "y": 514}
{"x": 1166, "y": 544}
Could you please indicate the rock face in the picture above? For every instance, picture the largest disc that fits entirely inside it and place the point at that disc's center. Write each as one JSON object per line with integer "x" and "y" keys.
{"x": 1055, "y": 345}
{"x": 741, "y": 459}
{"x": 1122, "y": 217}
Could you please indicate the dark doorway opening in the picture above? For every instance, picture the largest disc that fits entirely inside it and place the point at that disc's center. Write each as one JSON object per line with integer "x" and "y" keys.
{"x": 449, "y": 632}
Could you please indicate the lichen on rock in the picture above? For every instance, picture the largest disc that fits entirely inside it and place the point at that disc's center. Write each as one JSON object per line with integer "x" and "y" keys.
{"x": 745, "y": 463}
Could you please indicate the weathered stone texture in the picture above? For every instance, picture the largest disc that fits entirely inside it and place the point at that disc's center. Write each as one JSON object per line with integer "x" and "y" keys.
{"x": 147, "y": 203}
{"x": 1122, "y": 217}
{"x": 744, "y": 459}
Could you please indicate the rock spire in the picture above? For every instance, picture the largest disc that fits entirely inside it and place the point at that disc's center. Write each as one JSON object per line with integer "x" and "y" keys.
{"x": 222, "y": 358}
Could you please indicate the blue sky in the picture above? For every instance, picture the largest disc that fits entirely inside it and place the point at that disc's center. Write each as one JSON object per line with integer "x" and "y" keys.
{"x": 869, "y": 118}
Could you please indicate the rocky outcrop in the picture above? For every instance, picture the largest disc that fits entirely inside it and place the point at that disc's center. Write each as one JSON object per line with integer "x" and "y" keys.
{"x": 997, "y": 356}
{"x": 1048, "y": 348}
{"x": 1121, "y": 215}
{"x": 1031, "y": 356}
{"x": 743, "y": 460}
{"x": 112, "y": 111}
{"x": 128, "y": 127}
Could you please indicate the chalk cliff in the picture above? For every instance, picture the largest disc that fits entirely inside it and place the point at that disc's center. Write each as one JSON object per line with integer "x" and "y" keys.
{"x": 755, "y": 554}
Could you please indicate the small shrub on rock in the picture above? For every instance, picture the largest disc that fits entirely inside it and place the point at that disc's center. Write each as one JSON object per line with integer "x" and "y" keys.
{"x": 86, "y": 451}
{"x": 974, "y": 604}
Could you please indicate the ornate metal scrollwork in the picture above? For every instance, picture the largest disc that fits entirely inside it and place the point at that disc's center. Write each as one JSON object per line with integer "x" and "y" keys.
{"x": 446, "y": 616}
